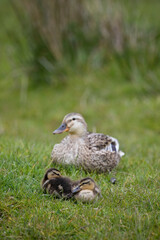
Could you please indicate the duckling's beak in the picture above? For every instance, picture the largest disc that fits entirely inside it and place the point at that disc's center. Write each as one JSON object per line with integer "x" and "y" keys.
{"x": 76, "y": 189}
{"x": 61, "y": 129}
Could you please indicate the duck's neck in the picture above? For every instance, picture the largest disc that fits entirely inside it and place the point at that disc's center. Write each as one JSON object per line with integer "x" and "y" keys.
{"x": 78, "y": 133}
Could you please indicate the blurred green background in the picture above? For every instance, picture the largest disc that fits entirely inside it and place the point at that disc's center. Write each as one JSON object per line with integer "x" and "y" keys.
{"x": 100, "y": 59}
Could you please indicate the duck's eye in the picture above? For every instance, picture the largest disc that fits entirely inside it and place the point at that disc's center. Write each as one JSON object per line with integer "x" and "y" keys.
{"x": 73, "y": 119}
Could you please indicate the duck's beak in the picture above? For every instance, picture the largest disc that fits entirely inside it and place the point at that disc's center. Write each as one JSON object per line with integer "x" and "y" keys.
{"x": 61, "y": 129}
{"x": 76, "y": 189}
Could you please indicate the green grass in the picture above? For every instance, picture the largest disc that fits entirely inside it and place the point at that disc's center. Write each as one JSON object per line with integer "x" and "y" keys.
{"x": 128, "y": 210}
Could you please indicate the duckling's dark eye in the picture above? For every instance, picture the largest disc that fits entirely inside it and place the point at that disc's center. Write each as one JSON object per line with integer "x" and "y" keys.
{"x": 73, "y": 119}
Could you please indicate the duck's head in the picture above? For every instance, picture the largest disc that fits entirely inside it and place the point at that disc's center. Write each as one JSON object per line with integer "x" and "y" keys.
{"x": 73, "y": 123}
{"x": 52, "y": 173}
{"x": 84, "y": 184}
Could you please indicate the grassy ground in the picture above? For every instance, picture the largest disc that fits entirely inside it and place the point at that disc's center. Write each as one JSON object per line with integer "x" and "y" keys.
{"x": 120, "y": 98}
{"x": 128, "y": 210}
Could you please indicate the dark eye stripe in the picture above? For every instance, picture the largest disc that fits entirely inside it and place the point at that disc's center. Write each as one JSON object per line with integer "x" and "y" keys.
{"x": 83, "y": 183}
{"x": 56, "y": 173}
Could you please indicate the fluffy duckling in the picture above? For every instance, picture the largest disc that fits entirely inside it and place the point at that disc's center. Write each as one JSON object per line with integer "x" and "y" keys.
{"x": 86, "y": 190}
{"x": 50, "y": 174}
{"x": 54, "y": 183}
{"x": 92, "y": 151}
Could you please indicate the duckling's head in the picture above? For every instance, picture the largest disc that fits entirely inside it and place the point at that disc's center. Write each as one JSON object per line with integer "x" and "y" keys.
{"x": 52, "y": 173}
{"x": 73, "y": 123}
{"x": 84, "y": 184}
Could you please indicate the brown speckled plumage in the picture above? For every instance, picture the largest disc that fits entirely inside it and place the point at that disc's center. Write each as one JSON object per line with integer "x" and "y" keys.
{"x": 92, "y": 151}
{"x": 57, "y": 185}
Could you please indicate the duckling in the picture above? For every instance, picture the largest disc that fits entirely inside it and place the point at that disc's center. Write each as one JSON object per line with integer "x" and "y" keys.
{"x": 86, "y": 190}
{"x": 54, "y": 183}
{"x": 92, "y": 151}
{"x": 50, "y": 174}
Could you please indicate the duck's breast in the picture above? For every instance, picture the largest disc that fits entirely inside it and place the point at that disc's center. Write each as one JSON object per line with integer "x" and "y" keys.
{"x": 67, "y": 151}
{"x": 85, "y": 195}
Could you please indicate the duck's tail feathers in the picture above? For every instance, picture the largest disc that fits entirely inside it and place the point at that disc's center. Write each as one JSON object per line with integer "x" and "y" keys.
{"x": 121, "y": 153}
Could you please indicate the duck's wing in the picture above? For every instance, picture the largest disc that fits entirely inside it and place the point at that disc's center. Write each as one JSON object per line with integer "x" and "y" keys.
{"x": 50, "y": 186}
{"x": 60, "y": 187}
{"x": 99, "y": 141}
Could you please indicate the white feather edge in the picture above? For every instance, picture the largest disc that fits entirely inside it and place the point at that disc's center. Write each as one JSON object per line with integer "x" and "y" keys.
{"x": 121, "y": 153}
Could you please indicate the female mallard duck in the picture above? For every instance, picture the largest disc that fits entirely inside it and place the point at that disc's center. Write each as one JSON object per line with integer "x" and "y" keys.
{"x": 92, "y": 151}
{"x": 54, "y": 183}
{"x": 86, "y": 190}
